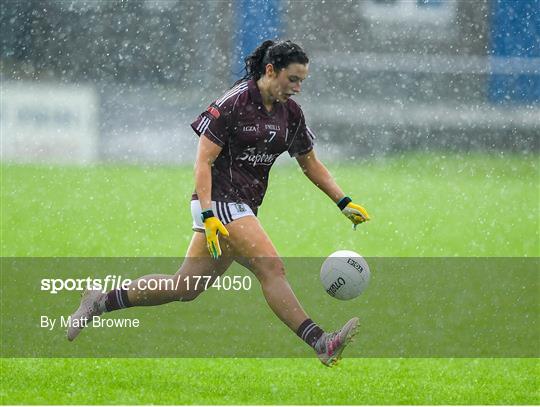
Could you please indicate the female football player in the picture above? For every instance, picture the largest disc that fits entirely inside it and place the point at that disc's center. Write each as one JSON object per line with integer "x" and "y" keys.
{"x": 241, "y": 134}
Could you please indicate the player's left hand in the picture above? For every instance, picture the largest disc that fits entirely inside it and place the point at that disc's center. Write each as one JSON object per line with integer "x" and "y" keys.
{"x": 356, "y": 213}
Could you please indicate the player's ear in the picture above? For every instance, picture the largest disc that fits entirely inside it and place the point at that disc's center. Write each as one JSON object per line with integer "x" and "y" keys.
{"x": 269, "y": 70}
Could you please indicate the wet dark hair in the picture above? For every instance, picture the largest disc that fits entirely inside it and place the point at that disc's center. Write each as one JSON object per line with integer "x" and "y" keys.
{"x": 280, "y": 54}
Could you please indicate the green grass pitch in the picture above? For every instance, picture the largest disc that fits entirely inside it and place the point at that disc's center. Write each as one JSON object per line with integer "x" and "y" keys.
{"x": 421, "y": 205}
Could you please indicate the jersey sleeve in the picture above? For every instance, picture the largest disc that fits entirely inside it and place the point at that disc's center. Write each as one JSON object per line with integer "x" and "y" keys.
{"x": 213, "y": 124}
{"x": 302, "y": 138}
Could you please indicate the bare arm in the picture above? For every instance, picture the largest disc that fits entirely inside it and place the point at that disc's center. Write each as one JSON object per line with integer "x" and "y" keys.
{"x": 207, "y": 153}
{"x": 319, "y": 175}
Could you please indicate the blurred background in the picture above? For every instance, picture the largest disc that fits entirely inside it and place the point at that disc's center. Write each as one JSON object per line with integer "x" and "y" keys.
{"x": 101, "y": 81}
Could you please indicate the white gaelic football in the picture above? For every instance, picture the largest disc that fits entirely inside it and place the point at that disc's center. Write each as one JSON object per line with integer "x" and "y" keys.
{"x": 345, "y": 274}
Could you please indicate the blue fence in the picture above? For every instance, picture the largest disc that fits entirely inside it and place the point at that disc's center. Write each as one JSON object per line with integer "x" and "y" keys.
{"x": 515, "y": 38}
{"x": 256, "y": 21}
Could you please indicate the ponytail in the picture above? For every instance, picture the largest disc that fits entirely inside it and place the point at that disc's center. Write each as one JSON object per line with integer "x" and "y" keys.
{"x": 279, "y": 54}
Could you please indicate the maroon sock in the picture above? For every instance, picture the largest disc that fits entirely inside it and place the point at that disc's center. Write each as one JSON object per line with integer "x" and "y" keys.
{"x": 116, "y": 299}
{"x": 310, "y": 332}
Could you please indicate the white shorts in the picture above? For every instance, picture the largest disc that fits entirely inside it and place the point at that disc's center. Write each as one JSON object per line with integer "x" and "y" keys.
{"x": 226, "y": 212}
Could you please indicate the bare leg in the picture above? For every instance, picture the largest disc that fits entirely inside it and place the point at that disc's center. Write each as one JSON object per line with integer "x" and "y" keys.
{"x": 169, "y": 287}
{"x": 175, "y": 287}
{"x": 255, "y": 251}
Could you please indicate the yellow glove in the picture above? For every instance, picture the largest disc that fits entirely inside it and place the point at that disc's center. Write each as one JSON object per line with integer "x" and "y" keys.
{"x": 354, "y": 212}
{"x": 212, "y": 228}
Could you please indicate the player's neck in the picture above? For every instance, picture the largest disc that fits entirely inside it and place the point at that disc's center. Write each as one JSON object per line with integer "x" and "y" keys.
{"x": 267, "y": 98}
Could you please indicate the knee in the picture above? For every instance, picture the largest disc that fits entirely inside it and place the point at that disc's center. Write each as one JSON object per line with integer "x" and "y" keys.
{"x": 271, "y": 270}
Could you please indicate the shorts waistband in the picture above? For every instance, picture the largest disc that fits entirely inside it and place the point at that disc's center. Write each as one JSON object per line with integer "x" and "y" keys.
{"x": 195, "y": 197}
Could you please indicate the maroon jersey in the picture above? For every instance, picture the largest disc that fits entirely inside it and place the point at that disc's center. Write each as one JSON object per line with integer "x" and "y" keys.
{"x": 252, "y": 139}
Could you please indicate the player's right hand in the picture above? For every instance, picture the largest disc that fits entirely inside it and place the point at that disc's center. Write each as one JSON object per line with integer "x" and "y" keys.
{"x": 212, "y": 228}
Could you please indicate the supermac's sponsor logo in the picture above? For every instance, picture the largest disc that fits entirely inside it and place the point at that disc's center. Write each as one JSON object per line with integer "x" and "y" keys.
{"x": 255, "y": 158}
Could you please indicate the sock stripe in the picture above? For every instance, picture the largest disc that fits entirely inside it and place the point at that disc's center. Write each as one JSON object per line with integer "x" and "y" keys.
{"x": 119, "y": 299}
{"x": 307, "y": 331}
{"x": 116, "y": 299}
{"x": 125, "y": 298}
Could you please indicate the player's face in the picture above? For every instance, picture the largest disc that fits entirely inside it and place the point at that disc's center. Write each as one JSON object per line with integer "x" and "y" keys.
{"x": 288, "y": 81}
